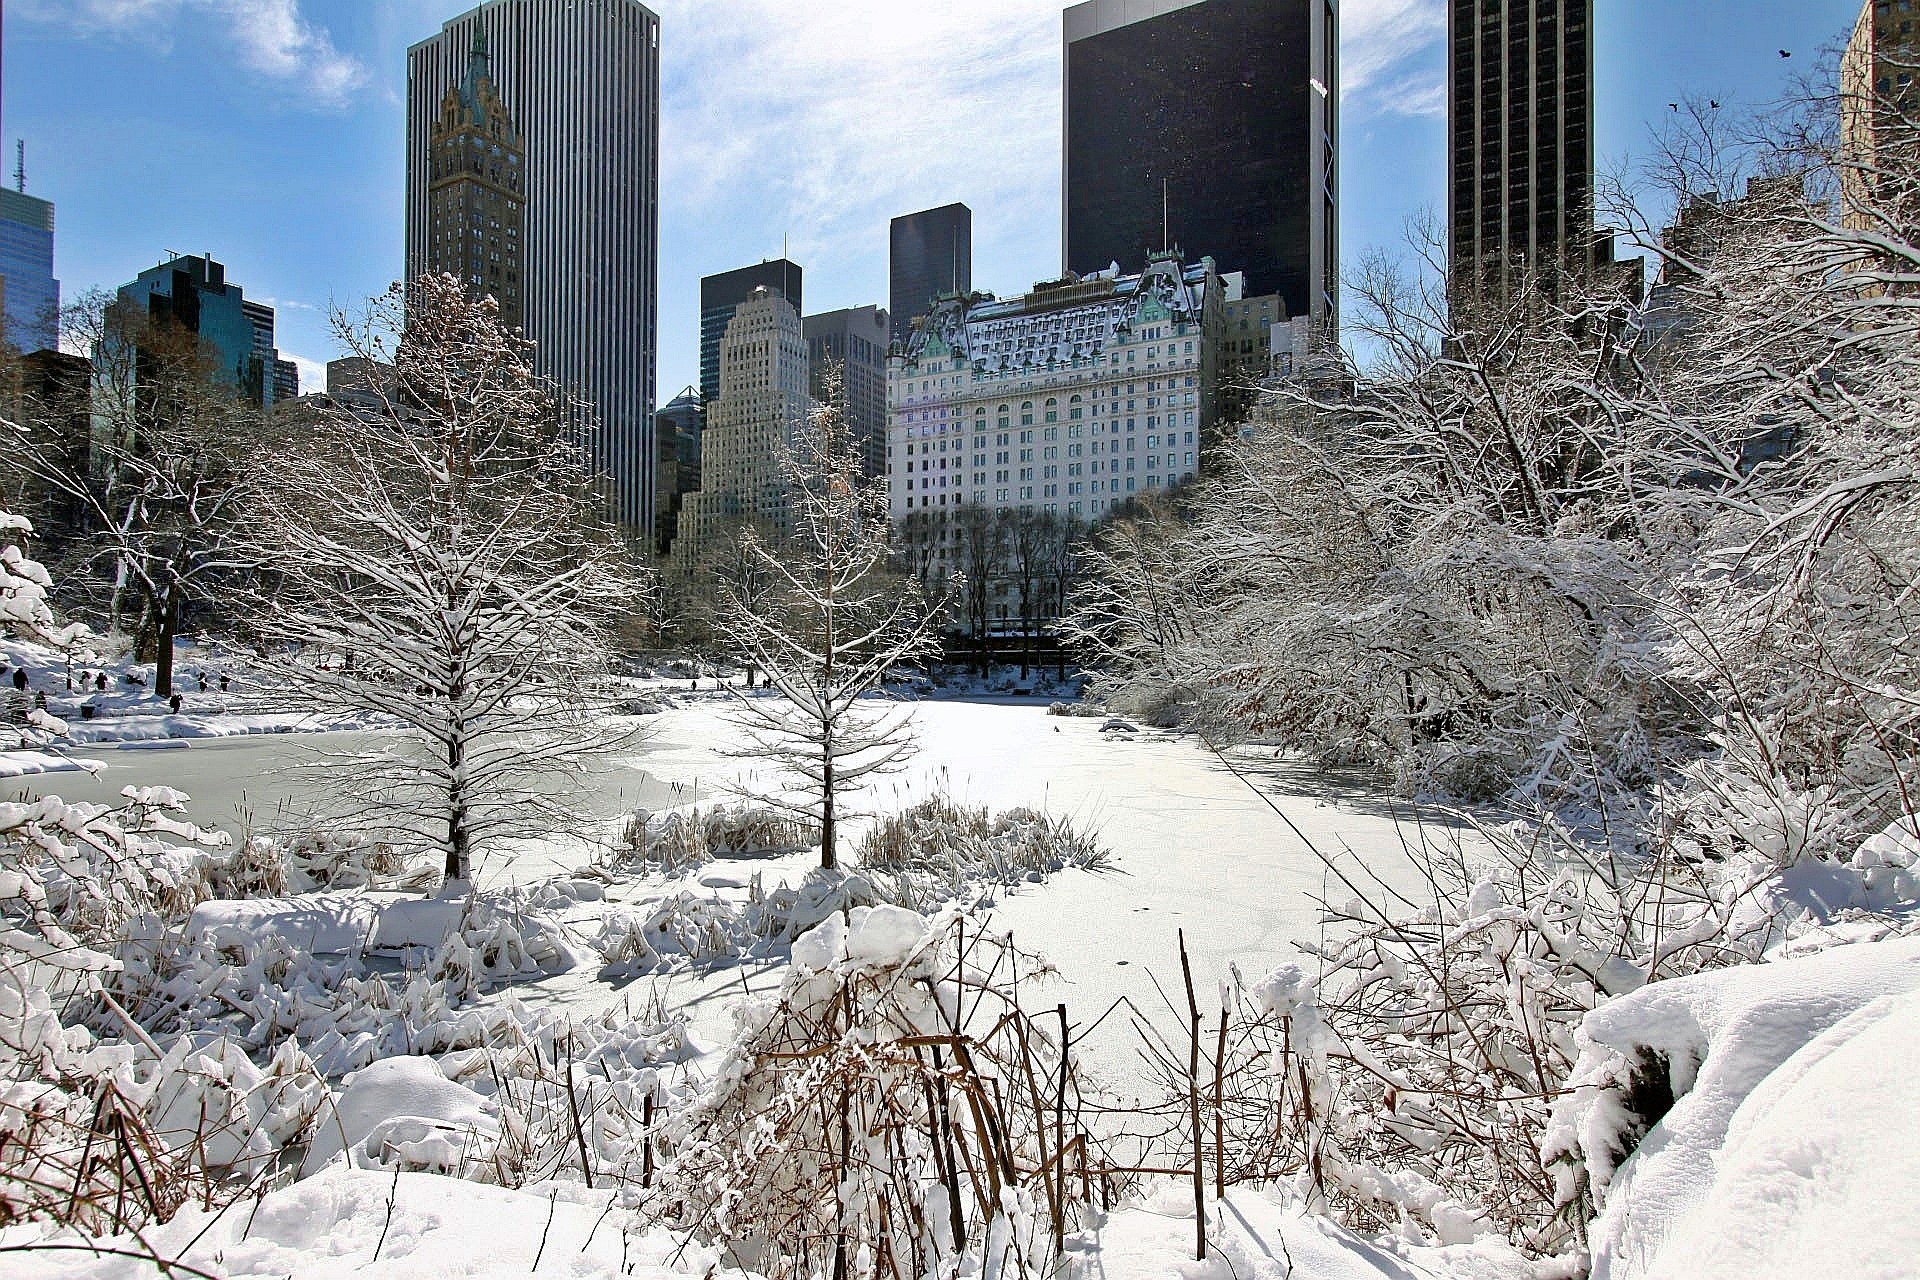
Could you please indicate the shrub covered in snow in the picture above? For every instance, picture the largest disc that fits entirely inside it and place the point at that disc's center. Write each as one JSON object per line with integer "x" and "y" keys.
{"x": 675, "y": 841}
{"x": 885, "y": 1116}
{"x": 956, "y": 843}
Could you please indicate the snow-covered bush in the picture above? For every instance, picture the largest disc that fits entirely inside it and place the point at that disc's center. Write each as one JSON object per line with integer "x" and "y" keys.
{"x": 940, "y": 840}
{"x": 885, "y": 1115}
{"x": 678, "y": 840}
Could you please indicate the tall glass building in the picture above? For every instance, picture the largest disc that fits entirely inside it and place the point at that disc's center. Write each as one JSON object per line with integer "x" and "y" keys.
{"x": 929, "y": 254}
{"x": 1520, "y": 137}
{"x": 581, "y": 82}
{"x": 31, "y": 294}
{"x": 1207, "y": 126}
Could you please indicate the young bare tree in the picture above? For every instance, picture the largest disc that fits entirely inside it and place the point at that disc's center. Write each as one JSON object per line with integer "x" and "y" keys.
{"x": 443, "y": 558}
{"x": 980, "y": 548}
{"x": 831, "y": 625}
{"x": 154, "y": 496}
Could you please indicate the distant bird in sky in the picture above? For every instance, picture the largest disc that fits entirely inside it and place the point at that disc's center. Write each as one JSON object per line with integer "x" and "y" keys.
{"x": 1673, "y": 106}
{"x": 1785, "y": 54}
{"x": 1713, "y": 104}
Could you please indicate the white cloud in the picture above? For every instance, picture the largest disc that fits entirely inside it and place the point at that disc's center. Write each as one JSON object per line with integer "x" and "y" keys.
{"x": 271, "y": 37}
{"x": 1378, "y": 41}
{"x": 313, "y": 373}
{"x": 847, "y": 114}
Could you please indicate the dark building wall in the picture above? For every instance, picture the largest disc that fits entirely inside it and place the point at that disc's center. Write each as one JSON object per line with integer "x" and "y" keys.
{"x": 853, "y": 342}
{"x": 1216, "y": 101}
{"x": 1520, "y": 135}
{"x": 929, "y": 253}
{"x": 721, "y": 295}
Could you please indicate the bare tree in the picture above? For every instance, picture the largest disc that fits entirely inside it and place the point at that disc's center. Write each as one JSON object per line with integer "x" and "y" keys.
{"x": 158, "y": 490}
{"x": 980, "y": 547}
{"x": 831, "y": 625}
{"x": 444, "y": 559}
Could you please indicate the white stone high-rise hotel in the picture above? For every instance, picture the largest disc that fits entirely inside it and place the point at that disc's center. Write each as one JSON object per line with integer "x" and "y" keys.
{"x": 1070, "y": 399}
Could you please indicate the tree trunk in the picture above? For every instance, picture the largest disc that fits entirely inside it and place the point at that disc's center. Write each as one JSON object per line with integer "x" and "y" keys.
{"x": 827, "y": 855}
{"x": 163, "y": 647}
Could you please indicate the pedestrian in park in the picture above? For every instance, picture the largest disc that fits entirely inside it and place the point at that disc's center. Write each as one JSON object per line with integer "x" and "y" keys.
{"x": 20, "y": 677}
{"x": 174, "y": 702}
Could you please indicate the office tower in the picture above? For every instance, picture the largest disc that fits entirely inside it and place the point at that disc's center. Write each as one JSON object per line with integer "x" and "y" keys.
{"x": 29, "y": 294}
{"x": 1071, "y": 399}
{"x": 930, "y": 254}
{"x": 763, "y": 400}
{"x": 1520, "y": 130}
{"x": 853, "y": 343}
{"x": 721, "y": 294}
{"x": 1207, "y": 126}
{"x": 580, "y": 82}
{"x": 280, "y": 379}
{"x": 476, "y": 189}
{"x": 1879, "y": 95}
{"x": 191, "y": 294}
{"x": 676, "y": 429}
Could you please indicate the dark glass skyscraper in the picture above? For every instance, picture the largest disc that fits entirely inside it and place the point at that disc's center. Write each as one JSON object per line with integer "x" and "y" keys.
{"x": 1209, "y": 125}
{"x": 929, "y": 253}
{"x": 1520, "y": 136}
{"x": 721, "y": 295}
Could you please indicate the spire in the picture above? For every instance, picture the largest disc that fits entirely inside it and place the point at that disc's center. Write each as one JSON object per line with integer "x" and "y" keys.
{"x": 479, "y": 72}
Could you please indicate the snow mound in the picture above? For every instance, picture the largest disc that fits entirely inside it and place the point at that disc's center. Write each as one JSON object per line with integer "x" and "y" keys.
{"x": 403, "y": 1113}
{"x": 361, "y": 1223}
{"x": 1793, "y": 1129}
{"x": 328, "y": 924}
{"x": 1254, "y": 1235}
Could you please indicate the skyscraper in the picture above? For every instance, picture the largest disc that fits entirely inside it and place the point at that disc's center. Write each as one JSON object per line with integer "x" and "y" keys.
{"x": 763, "y": 399}
{"x": 580, "y": 81}
{"x": 476, "y": 190}
{"x": 721, "y": 294}
{"x": 1520, "y": 130}
{"x": 280, "y": 379}
{"x": 852, "y": 342}
{"x": 30, "y": 294}
{"x": 929, "y": 254}
{"x": 1207, "y": 125}
{"x": 193, "y": 294}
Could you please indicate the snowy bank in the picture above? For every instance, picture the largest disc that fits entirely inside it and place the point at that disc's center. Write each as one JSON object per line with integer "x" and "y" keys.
{"x": 1794, "y": 1131}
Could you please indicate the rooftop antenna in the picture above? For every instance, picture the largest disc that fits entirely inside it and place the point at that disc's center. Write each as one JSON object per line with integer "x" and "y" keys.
{"x": 1166, "y": 237}
{"x": 20, "y": 166}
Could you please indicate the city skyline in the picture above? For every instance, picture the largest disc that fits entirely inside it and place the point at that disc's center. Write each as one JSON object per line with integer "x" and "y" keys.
{"x": 301, "y": 192}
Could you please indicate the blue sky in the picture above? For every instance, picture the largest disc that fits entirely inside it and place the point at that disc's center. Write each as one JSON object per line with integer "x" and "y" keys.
{"x": 268, "y": 132}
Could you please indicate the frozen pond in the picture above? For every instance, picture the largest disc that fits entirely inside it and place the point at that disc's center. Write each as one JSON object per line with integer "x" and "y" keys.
{"x": 1196, "y": 848}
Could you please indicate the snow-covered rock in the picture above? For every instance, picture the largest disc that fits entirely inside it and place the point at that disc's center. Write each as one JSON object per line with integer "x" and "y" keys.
{"x": 1794, "y": 1130}
{"x": 403, "y": 1113}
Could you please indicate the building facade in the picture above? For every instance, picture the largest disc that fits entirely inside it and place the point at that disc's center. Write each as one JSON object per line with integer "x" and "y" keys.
{"x": 280, "y": 379}
{"x": 1072, "y": 399}
{"x": 1520, "y": 138}
{"x": 29, "y": 294}
{"x": 476, "y": 190}
{"x": 580, "y": 80}
{"x": 1879, "y": 95}
{"x": 852, "y": 345}
{"x": 192, "y": 294}
{"x": 763, "y": 400}
{"x": 1210, "y": 124}
{"x": 929, "y": 255}
{"x": 722, "y": 294}
{"x": 677, "y": 430}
